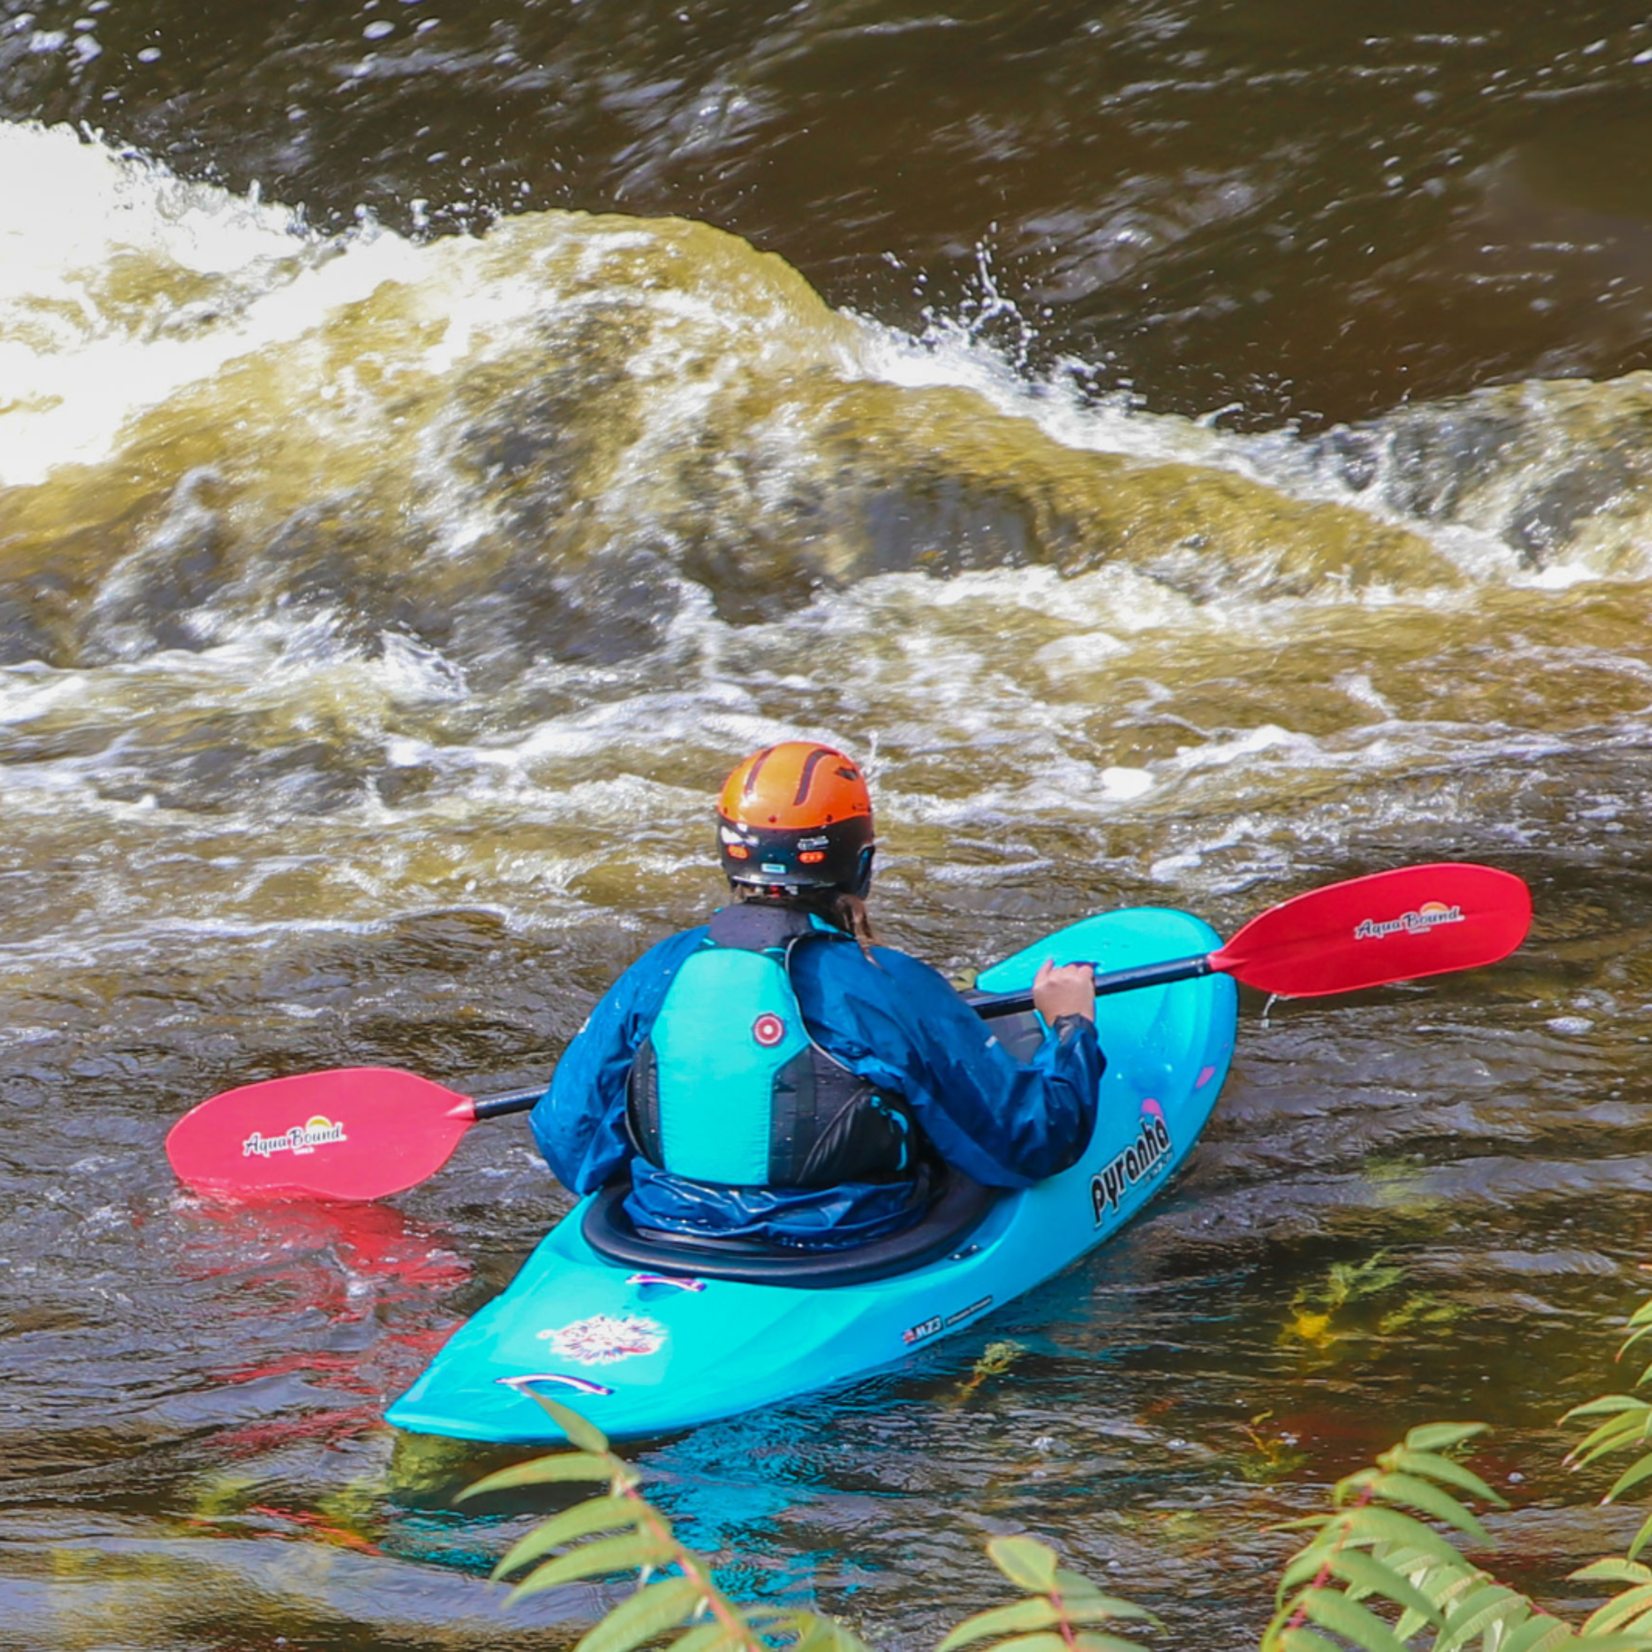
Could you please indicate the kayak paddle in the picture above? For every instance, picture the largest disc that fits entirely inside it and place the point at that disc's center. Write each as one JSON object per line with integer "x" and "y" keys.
{"x": 347, "y": 1133}
{"x": 365, "y": 1132}
{"x": 1365, "y": 932}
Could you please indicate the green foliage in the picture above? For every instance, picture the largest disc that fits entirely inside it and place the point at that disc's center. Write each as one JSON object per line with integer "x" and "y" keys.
{"x": 1059, "y": 1613}
{"x": 1384, "y": 1569}
{"x": 1372, "y": 1551}
{"x": 621, "y": 1532}
{"x": 1627, "y": 1425}
{"x": 1375, "y": 1575}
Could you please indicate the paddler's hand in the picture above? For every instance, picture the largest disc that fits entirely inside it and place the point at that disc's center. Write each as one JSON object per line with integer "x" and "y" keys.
{"x": 1064, "y": 989}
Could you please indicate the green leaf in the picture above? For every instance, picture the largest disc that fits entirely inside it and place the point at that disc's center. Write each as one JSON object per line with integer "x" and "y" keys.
{"x": 1355, "y": 1488}
{"x": 587, "y": 1436}
{"x": 1642, "y": 1537}
{"x": 1438, "y": 1585}
{"x": 1408, "y": 1625}
{"x": 1046, "y": 1642}
{"x": 1620, "y": 1609}
{"x": 1303, "y": 1640}
{"x": 1335, "y": 1611}
{"x": 1407, "y": 1489}
{"x": 1441, "y": 1436}
{"x": 1446, "y": 1471}
{"x": 566, "y": 1465}
{"x": 1582, "y": 1459}
{"x": 1303, "y": 1567}
{"x": 1026, "y": 1562}
{"x": 1086, "y": 1640}
{"x": 598, "y": 1514}
{"x": 1631, "y": 1476}
{"x": 1372, "y": 1576}
{"x": 641, "y": 1617}
{"x": 1475, "y": 1615}
{"x": 1611, "y": 1571}
{"x": 1306, "y": 1522}
{"x": 1540, "y": 1633}
{"x": 1314, "y": 1564}
{"x": 1611, "y": 1436}
{"x": 629, "y": 1553}
{"x": 820, "y": 1634}
{"x": 1036, "y": 1613}
{"x": 1624, "y": 1422}
{"x": 1606, "y": 1405}
{"x": 1073, "y": 1585}
{"x": 1102, "y": 1608}
{"x": 713, "y": 1636}
{"x": 1448, "y": 1593}
{"x": 1389, "y": 1525}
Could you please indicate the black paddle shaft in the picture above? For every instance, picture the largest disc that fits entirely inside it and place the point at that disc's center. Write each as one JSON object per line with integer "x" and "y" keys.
{"x": 988, "y": 1005}
{"x": 513, "y": 1101}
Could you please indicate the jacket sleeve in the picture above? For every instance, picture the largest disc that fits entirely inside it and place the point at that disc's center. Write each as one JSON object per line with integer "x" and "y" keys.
{"x": 898, "y": 1022}
{"x": 579, "y": 1123}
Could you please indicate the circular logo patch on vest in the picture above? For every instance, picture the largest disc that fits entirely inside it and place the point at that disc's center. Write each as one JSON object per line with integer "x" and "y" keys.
{"x": 768, "y": 1030}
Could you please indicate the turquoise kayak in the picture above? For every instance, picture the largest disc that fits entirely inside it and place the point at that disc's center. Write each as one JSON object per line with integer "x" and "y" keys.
{"x": 647, "y": 1338}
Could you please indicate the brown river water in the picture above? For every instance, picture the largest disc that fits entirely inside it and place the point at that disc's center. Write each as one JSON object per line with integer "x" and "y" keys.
{"x": 1193, "y": 450}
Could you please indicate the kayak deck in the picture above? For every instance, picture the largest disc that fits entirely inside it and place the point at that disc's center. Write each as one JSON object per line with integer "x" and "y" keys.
{"x": 644, "y": 1352}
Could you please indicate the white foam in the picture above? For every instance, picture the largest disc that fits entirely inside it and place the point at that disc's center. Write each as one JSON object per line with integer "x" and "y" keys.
{"x": 121, "y": 285}
{"x": 91, "y": 240}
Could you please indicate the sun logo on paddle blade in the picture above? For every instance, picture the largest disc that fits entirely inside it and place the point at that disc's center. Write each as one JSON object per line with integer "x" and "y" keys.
{"x": 768, "y": 1030}
{"x": 604, "y": 1339}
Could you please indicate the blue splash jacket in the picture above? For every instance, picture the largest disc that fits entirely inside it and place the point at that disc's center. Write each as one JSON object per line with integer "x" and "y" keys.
{"x": 888, "y": 1017}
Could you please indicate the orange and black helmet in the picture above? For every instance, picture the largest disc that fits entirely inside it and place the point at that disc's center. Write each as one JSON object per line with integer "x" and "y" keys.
{"x": 797, "y": 816}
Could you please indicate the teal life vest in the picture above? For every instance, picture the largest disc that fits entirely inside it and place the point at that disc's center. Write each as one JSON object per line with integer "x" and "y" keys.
{"x": 728, "y": 1087}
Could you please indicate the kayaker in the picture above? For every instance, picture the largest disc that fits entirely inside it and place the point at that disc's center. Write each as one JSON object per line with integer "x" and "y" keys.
{"x": 775, "y": 1075}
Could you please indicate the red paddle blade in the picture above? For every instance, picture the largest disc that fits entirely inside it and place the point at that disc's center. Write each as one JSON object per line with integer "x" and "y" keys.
{"x": 1391, "y": 926}
{"x": 351, "y": 1133}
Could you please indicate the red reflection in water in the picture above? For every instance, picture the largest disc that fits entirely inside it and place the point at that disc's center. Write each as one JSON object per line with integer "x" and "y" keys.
{"x": 327, "y": 1249}
{"x": 296, "y": 1272}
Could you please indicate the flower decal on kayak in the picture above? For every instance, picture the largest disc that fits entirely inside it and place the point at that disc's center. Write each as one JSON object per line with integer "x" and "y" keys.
{"x": 604, "y": 1339}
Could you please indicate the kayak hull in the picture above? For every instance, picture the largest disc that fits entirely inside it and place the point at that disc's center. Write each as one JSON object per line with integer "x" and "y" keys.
{"x": 645, "y": 1354}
